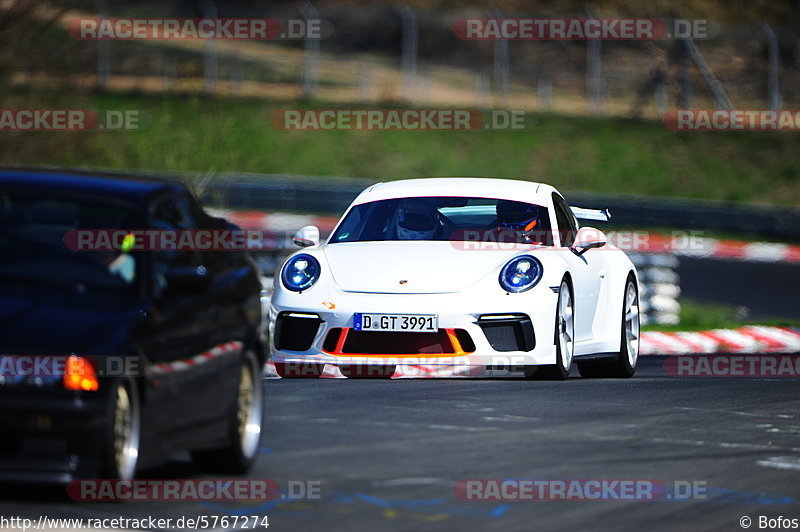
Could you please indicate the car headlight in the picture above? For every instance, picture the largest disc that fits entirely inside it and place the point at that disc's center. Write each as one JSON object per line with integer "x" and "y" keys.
{"x": 300, "y": 272}
{"x": 520, "y": 274}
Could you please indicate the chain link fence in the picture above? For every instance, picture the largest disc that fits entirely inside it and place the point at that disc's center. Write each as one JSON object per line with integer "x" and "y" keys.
{"x": 404, "y": 55}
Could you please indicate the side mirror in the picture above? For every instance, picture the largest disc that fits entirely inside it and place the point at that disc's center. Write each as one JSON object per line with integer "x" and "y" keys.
{"x": 588, "y": 238}
{"x": 306, "y": 236}
{"x": 188, "y": 279}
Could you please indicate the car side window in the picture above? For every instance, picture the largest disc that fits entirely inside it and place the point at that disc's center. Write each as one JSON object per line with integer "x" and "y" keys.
{"x": 350, "y": 227}
{"x": 172, "y": 215}
{"x": 567, "y": 226}
{"x": 215, "y": 260}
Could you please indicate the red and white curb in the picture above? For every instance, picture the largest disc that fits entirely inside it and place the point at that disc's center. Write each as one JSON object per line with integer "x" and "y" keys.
{"x": 751, "y": 339}
{"x": 702, "y": 247}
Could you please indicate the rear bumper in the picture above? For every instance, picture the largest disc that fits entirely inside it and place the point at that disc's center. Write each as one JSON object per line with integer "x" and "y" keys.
{"x": 50, "y": 440}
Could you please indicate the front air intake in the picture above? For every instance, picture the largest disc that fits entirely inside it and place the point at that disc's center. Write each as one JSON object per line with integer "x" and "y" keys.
{"x": 295, "y": 331}
{"x": 508, "y": 332}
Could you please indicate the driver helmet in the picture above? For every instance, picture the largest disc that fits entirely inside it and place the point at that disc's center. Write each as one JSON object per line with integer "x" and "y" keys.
{"x": 417, "y": 219}
{"x": 517, "y": 215}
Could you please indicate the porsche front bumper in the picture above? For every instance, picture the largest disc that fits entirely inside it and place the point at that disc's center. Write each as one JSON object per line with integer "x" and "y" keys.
{"x": 508, "y": 330}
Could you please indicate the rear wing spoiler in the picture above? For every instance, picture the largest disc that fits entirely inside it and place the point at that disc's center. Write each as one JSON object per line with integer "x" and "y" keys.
{"x": 591, "y": 214}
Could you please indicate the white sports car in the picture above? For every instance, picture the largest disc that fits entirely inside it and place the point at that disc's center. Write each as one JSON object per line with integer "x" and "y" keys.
{"x": 457, "y": 271}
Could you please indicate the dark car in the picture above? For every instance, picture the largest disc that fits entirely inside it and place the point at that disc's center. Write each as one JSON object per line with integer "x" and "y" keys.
{"x": 113, "y": 359}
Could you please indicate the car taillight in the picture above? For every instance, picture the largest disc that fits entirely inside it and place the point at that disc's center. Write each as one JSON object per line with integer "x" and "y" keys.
{"x": 79, "y": 374}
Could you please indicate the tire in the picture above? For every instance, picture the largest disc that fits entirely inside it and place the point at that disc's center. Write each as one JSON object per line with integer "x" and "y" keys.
{"x": 123, "y": 432}
{"x": 564, "y": 338}
{"x": 624, "y": 364}
{"x": 246, "y": 421}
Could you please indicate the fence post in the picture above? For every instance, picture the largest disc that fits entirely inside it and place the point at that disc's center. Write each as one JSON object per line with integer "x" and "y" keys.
{"x": 501, "y": 64}
{"x": 773, "y": 87}
{"x": 311, "y": 59}
{"x": 594, "y": 71}
{"x": 662, "y": 96}
{"x": 102, "y": 48}
{"x": 364, "y": 83}
{"x": 408, "y": 46}
{"x": 544, "y": 92}
{"x": 235, "y": 74}
{"x": 170, "y": 73}
{"x": 720, "y": 96}
{"x": 210, "y": 71}
{"x": 481, "y": 89}
{"x": 685, "y": 80}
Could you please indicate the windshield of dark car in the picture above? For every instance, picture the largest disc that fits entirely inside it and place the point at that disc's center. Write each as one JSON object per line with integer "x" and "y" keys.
{"x": 445, "y": 218}
{"x": 34, "y": 241}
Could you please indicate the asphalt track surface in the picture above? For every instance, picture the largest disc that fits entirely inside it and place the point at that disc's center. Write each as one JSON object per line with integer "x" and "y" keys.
{"x": 388, "y": 452}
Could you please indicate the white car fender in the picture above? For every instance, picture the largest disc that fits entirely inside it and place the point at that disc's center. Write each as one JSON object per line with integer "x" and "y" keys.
{"x": 607, "y": 321}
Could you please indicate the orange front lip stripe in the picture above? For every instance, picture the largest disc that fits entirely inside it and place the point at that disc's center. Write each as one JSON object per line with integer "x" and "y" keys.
{"x": 458, "y": 350}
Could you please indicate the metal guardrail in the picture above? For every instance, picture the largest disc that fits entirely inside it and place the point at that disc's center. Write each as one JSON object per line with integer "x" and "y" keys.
{"x": 331, "y": 195}
{"x": 694, "y": 214}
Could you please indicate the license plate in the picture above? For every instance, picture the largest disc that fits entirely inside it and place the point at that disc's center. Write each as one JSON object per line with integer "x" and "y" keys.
{"x": 396, "y": 322}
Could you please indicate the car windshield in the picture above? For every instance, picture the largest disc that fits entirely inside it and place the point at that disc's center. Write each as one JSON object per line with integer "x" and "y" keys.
{"x": 446, "y": 218}
{"x": 35, "y": 237}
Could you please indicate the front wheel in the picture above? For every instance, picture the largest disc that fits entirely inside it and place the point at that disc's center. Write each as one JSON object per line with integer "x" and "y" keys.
{"x": 123, "y": 432}
{"x": 246, "y": 421}
{"x": 564, "y": 338}
{"x": 624, "y": 364}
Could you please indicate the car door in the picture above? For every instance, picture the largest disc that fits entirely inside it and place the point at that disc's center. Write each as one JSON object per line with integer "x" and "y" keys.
{"x": 189, "y": 376}
{"x": 235, "y": 295}
{"x": 588, "y": 270}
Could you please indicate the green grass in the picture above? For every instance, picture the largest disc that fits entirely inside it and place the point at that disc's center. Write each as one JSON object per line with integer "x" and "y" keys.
{"x": 697, "y": 316}
{"x": 609, "y": 155}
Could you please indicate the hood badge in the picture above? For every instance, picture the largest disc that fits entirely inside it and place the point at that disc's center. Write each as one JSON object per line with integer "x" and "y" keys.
{"x": 403, "y": 281}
